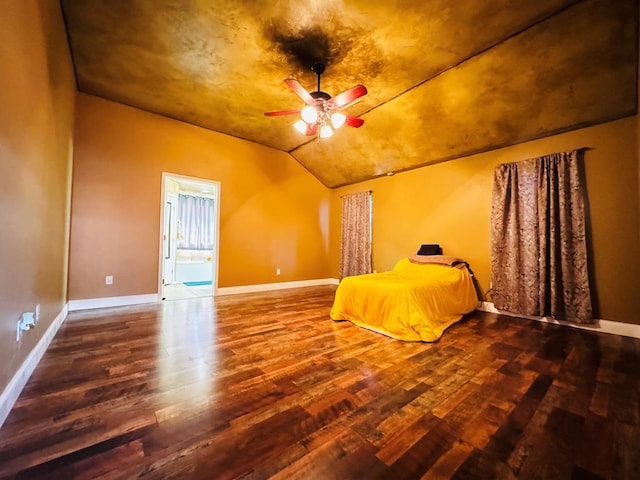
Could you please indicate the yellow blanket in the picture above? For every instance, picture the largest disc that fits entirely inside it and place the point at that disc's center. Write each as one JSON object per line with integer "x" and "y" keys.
{"x": 415, "y": 302}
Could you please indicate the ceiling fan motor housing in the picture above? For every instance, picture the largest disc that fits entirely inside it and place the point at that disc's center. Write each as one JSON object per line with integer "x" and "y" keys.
{"x": 320, "y": 95}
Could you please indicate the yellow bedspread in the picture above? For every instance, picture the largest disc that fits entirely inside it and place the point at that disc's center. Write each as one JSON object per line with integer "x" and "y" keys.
{"x": 415, "y": 302}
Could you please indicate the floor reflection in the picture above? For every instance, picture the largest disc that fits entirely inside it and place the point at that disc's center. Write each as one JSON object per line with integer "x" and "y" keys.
{"x": 187, "y": 349}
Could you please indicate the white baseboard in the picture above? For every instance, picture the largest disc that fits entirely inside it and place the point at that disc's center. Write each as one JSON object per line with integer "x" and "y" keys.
{"x": 600, "y": 326}
{"x": 106, "y": 302}
{"x": 264, "y": 287}
{"x": 16, "y": 384}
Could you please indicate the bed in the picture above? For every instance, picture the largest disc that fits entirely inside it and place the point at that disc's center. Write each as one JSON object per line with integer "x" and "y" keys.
{"x": 417, "y": 301}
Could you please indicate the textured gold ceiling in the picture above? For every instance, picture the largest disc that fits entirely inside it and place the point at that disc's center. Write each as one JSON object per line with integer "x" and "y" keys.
{"x": 445, "y": 78}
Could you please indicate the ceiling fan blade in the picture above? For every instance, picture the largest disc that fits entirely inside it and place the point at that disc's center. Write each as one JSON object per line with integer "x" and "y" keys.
{"x": 300, "y": 91}
{"x": 283, "y": 112}
{"x": 348, "y": 96}
{"x": 312, "y": 129}
{"x": 354, "y": 121}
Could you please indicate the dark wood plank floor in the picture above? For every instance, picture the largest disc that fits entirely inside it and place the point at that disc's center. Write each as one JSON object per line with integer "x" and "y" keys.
{"x": 267, "y": 386}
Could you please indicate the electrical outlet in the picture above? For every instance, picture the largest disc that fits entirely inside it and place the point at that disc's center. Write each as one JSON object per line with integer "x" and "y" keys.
{"x": 37, "y": 313}
{"x": 108, "y": 280}
{"x": 277, "y": 271}
{"x": 26, "y": 322}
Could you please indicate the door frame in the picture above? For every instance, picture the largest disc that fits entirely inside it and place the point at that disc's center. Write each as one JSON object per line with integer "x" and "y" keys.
{"x": 216, "y": 248}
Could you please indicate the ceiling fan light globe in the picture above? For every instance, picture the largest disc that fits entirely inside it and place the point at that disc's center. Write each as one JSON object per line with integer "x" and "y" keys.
{"x": 309, "y": 114}
{"x": 326, "y": 131}
{"x": 338, "y": 119}
{"x": 301, "y": 127}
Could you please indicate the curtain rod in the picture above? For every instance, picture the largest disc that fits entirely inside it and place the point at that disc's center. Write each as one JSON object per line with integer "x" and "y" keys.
{"x": 366, "y": 191}
{"x": 578, "y": 149}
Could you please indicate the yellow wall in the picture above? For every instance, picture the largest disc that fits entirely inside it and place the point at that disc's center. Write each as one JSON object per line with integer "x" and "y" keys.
{"x": 450, "y": 203}
{"x": 273, "y": 213}
{"x": 37, "y": 90}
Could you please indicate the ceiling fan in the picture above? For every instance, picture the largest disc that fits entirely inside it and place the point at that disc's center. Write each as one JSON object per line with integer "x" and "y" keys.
{"x": 322, "y": 115}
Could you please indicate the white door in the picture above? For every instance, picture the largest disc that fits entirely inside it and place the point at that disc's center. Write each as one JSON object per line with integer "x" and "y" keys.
{"x": 169, "y": 238}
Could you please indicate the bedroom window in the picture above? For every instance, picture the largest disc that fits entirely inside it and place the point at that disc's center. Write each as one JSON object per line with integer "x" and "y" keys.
{"x": 355, "y": 247}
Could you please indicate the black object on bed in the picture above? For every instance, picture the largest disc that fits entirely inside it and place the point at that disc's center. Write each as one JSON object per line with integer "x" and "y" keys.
{"x": 430, "y": 249}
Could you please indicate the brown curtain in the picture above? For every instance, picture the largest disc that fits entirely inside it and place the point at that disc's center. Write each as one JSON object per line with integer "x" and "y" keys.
{"x": 538, "y": 244}
{"x": 355, "y": 248}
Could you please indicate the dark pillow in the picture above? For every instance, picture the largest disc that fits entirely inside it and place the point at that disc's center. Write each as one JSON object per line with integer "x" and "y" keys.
{"x": 430, "y": 249}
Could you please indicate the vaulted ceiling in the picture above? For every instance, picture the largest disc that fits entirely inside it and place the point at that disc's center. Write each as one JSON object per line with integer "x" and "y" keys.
{"x": 445, "y": 79}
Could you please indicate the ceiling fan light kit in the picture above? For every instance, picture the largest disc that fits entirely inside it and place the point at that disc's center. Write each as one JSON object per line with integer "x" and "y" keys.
{"x": 309, "y": 114}
{"x": 322, "y": 115}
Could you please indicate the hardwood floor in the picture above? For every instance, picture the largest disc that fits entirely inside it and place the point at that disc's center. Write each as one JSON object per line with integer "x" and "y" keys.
{"x": 267, "y": 386}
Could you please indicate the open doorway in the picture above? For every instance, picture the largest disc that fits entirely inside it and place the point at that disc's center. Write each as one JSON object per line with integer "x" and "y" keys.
{"x": 188, "y": 264}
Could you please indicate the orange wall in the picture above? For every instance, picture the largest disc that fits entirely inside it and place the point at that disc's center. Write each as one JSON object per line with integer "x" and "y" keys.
{"x": 450, "y": 203}
{"x": 273, "y": 213}
{"x": 37, "y": 91}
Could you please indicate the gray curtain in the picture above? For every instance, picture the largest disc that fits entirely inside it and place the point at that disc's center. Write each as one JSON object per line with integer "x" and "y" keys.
{"x": 355, "y": 247}
{"x": 195, "y": 222}
{"x": 538, "y": 242}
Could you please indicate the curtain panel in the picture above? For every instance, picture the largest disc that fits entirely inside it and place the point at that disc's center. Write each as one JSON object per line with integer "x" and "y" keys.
{"x": 355, "y": 248}
{"x": 538, "y": 240}
{"x": 195, "y": 222}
